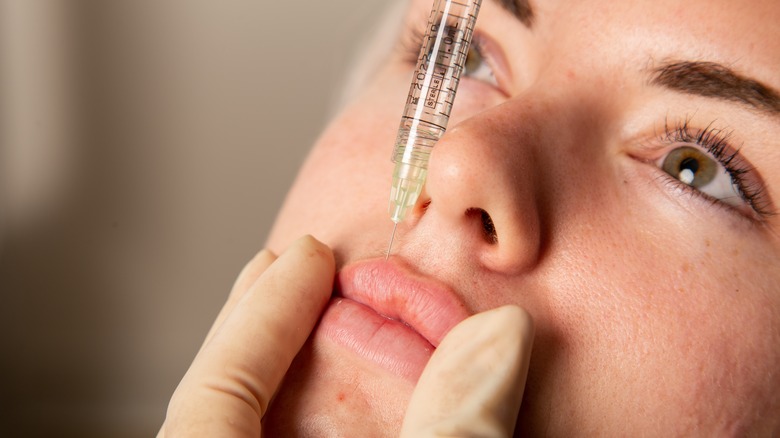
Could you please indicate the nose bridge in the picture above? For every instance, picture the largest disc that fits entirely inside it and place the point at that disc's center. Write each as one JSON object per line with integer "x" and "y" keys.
{"x": 502, "y": 134}
{"x": 482, "y": 184}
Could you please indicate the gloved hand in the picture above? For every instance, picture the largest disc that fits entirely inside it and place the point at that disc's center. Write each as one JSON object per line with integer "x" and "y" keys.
{"x": 270, "y": 312}
{"x": 472, "y": 385}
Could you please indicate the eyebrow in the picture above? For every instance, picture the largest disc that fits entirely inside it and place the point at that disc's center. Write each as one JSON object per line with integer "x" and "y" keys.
{"x": 709, "y": 79}
{"x": 521, "y": 9}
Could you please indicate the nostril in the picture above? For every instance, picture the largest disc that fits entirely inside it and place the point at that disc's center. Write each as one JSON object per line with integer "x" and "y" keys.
{"x": 488, "y": 228}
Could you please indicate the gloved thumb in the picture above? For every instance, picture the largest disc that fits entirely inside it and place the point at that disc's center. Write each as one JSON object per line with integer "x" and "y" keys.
{"x": 474, "y": 381}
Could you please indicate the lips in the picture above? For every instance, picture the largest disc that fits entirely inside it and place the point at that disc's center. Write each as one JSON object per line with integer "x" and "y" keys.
{"x": 388, "y": 314}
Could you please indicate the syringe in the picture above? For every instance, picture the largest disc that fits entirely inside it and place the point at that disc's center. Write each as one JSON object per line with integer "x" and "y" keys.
{"x": 445, "y": 46}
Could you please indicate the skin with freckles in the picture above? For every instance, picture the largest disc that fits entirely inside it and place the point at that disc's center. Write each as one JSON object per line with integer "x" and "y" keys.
{"x": 656, "y": 305}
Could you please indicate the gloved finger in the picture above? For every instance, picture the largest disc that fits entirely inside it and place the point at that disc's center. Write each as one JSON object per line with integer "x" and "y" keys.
{"x": 474, "y": 381}
{"x": 229, "y": 385}
{"x": 249, "y": 274}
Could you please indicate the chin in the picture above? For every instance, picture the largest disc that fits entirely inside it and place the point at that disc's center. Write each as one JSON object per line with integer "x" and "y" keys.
{"x": 328, "y": 393}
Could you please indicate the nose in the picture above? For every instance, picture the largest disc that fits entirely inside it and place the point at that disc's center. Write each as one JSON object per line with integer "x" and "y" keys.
{"x": 480, "y": 189}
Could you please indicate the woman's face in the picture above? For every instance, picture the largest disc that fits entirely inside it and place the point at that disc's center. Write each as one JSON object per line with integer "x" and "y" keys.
{"x": 611, "y": 167}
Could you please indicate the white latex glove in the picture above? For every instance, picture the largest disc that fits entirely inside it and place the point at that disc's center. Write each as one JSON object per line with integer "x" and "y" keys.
{"x": 264, "y": 323}
{"x": 473, "y": 384}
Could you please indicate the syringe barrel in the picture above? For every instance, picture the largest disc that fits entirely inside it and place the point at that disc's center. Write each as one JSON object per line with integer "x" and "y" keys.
{"x": 443, "y": 54}
{"x": 445, "y": 46}
{"x": 414, "y": 142}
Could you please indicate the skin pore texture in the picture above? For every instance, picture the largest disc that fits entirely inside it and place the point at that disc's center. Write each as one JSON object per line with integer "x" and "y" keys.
{"x": 656, "y": 305}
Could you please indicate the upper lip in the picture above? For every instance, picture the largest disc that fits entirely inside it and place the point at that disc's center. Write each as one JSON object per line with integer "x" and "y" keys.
{"x": 394, "y": 290}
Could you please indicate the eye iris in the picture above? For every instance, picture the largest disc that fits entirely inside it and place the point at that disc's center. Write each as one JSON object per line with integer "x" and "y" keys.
{"x": 473, "y": 61}
{"x": 691, "y": 166}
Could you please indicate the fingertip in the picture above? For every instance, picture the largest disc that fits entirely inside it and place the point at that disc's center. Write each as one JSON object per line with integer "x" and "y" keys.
{"x": 306, "y": 267}
{"x": 473, "y": 384}
{"x": 265, "y": 256}
{"x": 314, "y": 248}
{"x": 512, "y": 317}
{"x": 499, "y": 321}
{"x": 252, "y": 271}
{"x": 258, "y": 263}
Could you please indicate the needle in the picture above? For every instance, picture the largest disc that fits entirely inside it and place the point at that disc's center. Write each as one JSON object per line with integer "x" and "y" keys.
{"x": 387, "y": 255}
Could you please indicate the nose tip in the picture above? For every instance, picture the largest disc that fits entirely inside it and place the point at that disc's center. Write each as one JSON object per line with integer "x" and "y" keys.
{"x": 481, "y": 188}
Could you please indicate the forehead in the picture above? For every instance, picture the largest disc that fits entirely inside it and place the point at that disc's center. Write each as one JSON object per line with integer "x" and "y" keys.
{"x": 682, "y": 13}
{"x": 719, "y": 20}
{"x": 743, "y": 35}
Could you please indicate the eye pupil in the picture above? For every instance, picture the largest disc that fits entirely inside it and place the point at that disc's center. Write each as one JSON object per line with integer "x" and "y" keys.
{"x": 689, "y": 163}
{"x": 688, "y": 168}
{"x": 686, "y": 176}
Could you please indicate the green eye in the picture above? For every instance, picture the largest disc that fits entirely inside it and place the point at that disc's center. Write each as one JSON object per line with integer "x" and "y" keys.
{"x": 691, "y": 166}
{"x": 701, "y": 171}
{"x": 476, "y": 66}
{"x": 473, "y": 61}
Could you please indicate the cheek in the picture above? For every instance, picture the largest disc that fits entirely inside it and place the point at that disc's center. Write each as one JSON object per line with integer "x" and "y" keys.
{"x": 345, "y": 178}
{"x": 342, "y": 190}
{"x": 674, "y": 321}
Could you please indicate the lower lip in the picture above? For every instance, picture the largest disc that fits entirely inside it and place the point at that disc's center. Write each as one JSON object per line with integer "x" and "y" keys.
{"x": 390, "y": 344}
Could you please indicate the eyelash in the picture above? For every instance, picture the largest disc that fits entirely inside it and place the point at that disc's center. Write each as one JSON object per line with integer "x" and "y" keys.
{"x": 717, "y": 143}
{"x": 411, "y": 44}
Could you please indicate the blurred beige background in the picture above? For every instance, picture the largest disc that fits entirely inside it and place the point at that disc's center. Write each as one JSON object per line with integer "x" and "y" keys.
{"x": 145, "y": 146}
